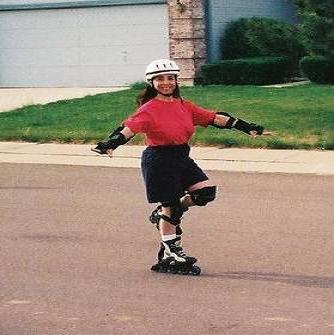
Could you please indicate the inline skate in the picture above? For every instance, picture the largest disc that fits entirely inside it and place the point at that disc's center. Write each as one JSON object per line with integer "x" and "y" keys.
{"x": 172, "y": 259}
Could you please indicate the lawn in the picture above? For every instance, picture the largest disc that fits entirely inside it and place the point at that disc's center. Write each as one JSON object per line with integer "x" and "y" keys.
{"x": 299, "y": 117}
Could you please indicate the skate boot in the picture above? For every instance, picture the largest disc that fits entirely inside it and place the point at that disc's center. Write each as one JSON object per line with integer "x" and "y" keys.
{"x": 172, "y": 259}
{"x": 161, "y": 251}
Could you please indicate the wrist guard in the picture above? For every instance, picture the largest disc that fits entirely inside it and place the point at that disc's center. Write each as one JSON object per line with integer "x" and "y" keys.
{"x": 116, "y": 138}
{"x": 248, "y": 127}
{"x": 240, "y": 125}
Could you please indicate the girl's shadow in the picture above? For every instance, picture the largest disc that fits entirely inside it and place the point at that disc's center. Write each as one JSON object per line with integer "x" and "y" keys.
{"x": 298, "y": 280}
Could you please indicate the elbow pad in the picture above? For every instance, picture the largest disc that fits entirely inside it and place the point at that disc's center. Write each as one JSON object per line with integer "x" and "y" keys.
{"x": 240, "y": 125}
{"x": 116, "y": 138}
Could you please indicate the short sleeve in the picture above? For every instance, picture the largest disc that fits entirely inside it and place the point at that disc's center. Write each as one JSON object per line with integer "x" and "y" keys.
{"x": 201, "y": 116}
{"x": 137, "y": 122}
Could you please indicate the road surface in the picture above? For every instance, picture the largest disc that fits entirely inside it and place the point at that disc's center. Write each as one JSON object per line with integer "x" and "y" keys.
{"x": 76, "y": 248}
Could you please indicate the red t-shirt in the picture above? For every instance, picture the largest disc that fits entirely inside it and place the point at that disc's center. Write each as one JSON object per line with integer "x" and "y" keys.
{"x": 168, "y": 122}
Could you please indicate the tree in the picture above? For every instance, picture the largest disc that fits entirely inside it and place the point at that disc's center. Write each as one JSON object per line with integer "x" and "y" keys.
{"x": 317, "y": 26}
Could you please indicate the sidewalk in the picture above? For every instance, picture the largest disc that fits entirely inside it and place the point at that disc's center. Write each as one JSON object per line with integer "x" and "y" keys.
{"x": 209, "y": 158}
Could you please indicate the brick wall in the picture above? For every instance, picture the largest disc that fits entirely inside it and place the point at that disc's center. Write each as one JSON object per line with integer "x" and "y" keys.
{"x": 196, "y": 26}
{"x": 187, "y": 39}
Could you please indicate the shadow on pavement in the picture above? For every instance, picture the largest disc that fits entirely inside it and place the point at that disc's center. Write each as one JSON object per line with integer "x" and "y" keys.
{"x": 298, "y": 280}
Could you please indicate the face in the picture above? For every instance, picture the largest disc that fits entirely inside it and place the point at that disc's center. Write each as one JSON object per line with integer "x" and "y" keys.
{"x": 165, "y": 83}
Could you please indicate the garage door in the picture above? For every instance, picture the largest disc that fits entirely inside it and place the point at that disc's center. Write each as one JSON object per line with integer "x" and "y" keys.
{"x": 95, "y": 46}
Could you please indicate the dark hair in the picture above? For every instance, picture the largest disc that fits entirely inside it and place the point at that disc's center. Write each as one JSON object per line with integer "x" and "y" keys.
{"x": 150, "y": 93}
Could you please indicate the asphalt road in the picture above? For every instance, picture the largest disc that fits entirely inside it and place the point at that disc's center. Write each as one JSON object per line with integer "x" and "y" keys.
{"x": 76, "y": 249}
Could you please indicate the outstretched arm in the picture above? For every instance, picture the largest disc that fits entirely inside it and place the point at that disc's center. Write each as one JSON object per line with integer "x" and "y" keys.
{"x": 118, "y": 137}
{"x": 224, "y": 120}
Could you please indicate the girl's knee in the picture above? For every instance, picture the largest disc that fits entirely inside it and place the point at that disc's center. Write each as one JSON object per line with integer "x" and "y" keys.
{"x": 204, "y": 195}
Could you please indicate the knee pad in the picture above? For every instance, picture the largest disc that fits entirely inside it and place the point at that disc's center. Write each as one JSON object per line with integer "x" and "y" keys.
{"x": 176, "y": 212}
{"x": 203, "y": 195}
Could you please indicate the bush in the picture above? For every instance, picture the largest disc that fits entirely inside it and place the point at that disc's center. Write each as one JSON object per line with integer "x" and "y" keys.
{"x": 317, "y": 26}
{"x": 139, "y": 85}
{"x": 256, "y": 37}
{"x": 318, "y": 69}
{"x": 248, "y": 71}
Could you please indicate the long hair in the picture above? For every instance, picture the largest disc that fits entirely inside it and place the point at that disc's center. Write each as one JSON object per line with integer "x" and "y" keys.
{"x": 150, "y": 93}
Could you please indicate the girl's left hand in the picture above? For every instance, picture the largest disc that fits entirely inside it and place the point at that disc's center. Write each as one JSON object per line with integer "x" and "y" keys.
{"x": 254, "y": 133}
{"x": 110, "y": 152}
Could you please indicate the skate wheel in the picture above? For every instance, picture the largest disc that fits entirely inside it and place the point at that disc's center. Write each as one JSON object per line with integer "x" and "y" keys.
{"x": 195, "y": 270}
{"x": 163, "y": 269}
{"x": 173, "y": 270}
{"x": 155, "y": 267}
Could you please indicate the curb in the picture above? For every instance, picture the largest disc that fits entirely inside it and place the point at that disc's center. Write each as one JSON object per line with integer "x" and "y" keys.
{"x": 208, "y": 158}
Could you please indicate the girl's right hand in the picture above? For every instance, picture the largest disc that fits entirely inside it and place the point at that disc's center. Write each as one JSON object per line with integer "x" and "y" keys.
{"x": 110, "y": 152}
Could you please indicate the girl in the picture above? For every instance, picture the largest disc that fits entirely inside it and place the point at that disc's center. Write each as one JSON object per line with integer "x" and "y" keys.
{"x": 171, "y": 177}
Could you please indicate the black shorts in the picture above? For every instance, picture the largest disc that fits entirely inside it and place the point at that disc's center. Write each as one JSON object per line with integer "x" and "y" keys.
{"x": 168, "y": 172}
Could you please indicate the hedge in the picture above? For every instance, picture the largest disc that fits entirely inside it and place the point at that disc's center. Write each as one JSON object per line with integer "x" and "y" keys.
{"x": 248, "y": 71}
{"x": 318, "y": 69}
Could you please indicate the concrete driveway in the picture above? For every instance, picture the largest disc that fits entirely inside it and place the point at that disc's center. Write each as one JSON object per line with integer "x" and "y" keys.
{"x": 12, "y": 98}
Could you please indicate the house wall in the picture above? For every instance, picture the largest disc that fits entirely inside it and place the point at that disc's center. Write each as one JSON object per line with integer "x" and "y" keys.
{"x": 75, "y": 3}
{"x": 221, "y": 12}
{"x": 187, "y": 31}
{"x": 196, "y": 27}
{"x": 187, "y": 37}
{"x": 80, "y": 45}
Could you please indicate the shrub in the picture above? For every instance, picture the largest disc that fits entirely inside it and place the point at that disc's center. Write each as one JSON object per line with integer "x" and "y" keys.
{"x": 317, "y": 28}
{"x": 254, "y": 37}
{"x": 139, "y": 85}
{"x": 248, "y": 71}
{"x": 318, "y": 69}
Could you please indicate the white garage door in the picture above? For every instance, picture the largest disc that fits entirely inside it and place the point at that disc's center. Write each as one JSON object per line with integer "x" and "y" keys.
{"x": 97, "y": 46}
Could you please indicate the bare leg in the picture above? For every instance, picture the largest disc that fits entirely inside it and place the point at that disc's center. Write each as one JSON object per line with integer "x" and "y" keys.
{"x": 165, "y": 227}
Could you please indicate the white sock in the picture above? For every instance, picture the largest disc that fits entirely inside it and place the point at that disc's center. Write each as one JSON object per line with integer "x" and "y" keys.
{"x": 166, "y": 238}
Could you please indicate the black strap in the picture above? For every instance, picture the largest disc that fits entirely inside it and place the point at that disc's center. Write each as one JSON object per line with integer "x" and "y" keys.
{"x": 248, "y": 127}
{"x": 116, "y": 138}
{"x": 239, "y": 125}
{"x": 169, "y": 220}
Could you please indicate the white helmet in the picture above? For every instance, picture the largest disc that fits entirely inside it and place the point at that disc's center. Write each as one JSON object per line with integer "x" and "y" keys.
{"x": 161, "y": 66}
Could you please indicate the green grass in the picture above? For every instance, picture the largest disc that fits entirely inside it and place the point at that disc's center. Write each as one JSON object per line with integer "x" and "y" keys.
{"x": 300, "y": 117}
